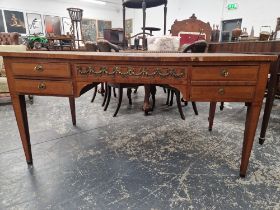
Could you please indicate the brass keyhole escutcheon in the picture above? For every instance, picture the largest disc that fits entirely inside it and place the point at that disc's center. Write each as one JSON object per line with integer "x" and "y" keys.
{"x": 39, "y": 68}
{"x": 42, "y": 86}
{"x": 221, "y": 91}
{"x": 224, "y": 73}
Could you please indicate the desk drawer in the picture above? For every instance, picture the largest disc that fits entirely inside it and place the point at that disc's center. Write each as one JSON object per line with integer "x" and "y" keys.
{"x": 43, "y": 87}
{"x": 225, "y": 73}
{"x": 60, "y": 70}
{"x": 220, "y": 93}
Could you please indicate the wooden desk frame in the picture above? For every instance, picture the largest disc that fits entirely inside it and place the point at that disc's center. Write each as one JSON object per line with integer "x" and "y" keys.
{"x": 199, "y": 77}
{"x": 256, "y": 47}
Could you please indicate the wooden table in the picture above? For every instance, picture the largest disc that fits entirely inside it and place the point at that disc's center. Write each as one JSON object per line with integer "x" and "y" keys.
{"x": 61, "y": 39}
{"x": 199, "y": 77}
{"x": 256, "y": 47}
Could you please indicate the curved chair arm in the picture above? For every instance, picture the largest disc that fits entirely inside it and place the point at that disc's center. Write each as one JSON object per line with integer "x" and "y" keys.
{"x": 106, "y": 46}
{"x": 114, "y": 47}
{"x": 196, "y": 47}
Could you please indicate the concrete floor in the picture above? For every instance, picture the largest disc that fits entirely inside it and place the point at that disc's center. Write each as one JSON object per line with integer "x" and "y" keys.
{"x": 135, "y": 162}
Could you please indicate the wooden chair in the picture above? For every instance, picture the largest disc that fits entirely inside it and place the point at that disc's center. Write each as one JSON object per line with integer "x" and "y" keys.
{"x": 198, "y": 46}
{"x": 170, "y": 94}
{"x": 120, "y": 87}
{"x": 92, "y": 47}
{"x": 192, "y": 25}
{"x": 102, "y": 46}
{"x": 106, "y": 46}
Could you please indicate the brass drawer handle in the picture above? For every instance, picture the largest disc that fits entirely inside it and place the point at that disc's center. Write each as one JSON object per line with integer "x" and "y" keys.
{"x": 39, "y": 68}
{"x": 42, "y": 86}
{"x": 224, "y": 73}
{"x": 221, "y": 91}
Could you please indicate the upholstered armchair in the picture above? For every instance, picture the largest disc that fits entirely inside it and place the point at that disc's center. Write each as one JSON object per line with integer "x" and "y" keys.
{"x": 91, "y": 46}
{"x": 9, "y": 38}
{"x": 196, "y": 47}
{"x": 106, "y": 46}
{"x": 8, "y": 42}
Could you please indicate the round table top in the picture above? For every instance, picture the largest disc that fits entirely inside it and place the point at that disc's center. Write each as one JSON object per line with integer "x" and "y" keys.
{"x": 152, "y": 28}
{"x": 137, "y": 4}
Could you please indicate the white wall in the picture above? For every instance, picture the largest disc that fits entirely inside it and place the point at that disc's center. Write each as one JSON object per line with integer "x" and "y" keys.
{"x": 58, "y": 8}
{"x": 253, "y": 13}
{"x": 205, "y": 10}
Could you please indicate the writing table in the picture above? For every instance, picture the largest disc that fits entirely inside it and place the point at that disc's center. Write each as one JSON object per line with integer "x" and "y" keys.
{"x": 256, "y": 47}
{"x": 207, "y": 77}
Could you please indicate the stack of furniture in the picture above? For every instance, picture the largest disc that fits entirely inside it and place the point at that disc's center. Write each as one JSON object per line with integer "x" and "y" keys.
{"x": 144, "y": 4}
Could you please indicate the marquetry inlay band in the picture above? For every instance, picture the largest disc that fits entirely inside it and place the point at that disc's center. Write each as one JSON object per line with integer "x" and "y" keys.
{"x": 130, "y": 71}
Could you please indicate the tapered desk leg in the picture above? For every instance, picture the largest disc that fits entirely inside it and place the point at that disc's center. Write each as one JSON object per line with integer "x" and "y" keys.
{"x": 253, "y": 112}
{"x": 212, "y": 111}
{"x": 19, "y": 106}
{"x": 272, "y": 86}
{"x": 147, "y": 107}
{"x": 73, "y": 109}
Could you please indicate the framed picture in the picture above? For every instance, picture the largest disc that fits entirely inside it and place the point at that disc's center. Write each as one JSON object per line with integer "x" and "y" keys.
{"x": 15, "y": 21}
{"x": 277, "y": 29}
{"x": 2, "y": 27}
{"x": 52, "y": 25}
{"x": 101, "y": 25}
{"x": 107, "y": 24}
{"x": 89, "y": 30}
{"x": 128, "y": 26}
{"x": 34, "y": 23}
{"x": 66, "y": 24}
